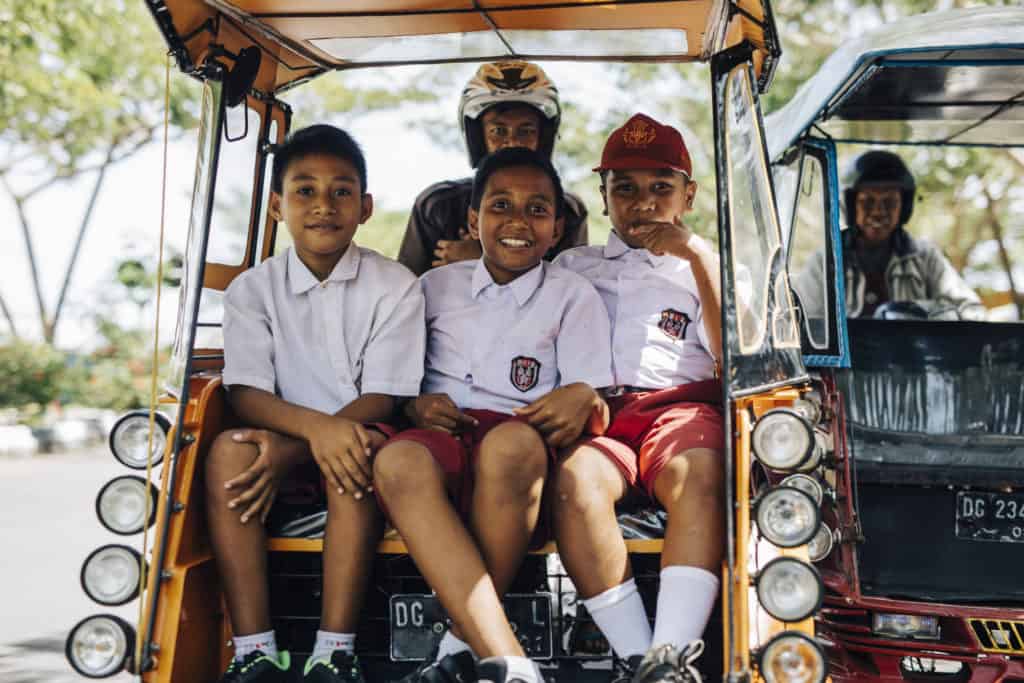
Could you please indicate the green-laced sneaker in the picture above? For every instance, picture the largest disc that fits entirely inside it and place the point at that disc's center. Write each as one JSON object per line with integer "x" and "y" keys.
{"x": 342, "y": 667}
{"x": 257, "y": 667}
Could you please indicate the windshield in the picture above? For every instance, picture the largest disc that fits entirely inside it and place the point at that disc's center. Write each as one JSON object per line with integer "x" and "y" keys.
{"x": 199, "y": 216}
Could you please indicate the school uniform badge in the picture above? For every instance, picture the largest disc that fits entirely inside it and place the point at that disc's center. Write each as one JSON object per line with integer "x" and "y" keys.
{"x": 674, "y": 323}
{"x": 525, "y": 373}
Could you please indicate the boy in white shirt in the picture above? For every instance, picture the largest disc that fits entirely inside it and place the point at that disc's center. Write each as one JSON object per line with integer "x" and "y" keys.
{"x": 318, "y": 343}
{"x": 660, "y": 283}
{"x": 515, "y": 347}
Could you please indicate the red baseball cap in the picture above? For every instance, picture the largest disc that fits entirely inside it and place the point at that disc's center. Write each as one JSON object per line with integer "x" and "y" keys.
{"x": 642, "y": 142}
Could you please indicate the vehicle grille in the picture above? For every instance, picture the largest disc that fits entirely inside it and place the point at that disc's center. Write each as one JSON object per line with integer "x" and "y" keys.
{"x": 1005, "y": 637}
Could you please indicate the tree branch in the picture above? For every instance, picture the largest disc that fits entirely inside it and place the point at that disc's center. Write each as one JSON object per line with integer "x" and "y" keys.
{"x": 10, "y": 318}
{"x": 1004, "y": 254}
{"x": 26, "y": 232}
{"x": 101, "y": 176}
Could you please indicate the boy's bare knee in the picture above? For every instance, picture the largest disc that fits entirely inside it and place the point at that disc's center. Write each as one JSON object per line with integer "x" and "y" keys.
{"x": 581, "y": 483}
{"x": 403, "y": 468}
{"x": 514, "y": 454}
{"x": 225, "y": 460}
{"x": 697, "y": 472}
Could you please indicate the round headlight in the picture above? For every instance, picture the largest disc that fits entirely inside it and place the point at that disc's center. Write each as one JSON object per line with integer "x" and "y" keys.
{"x": 809, "y": 485}
{"x": 130, "y": 436}
{"x": 110, "y": 575}
{"x": 809, "y": 406}
{"x": 782, "y": 439}
{"x": 789, "y": 590}
{"x": 786, "y": 516}
{"x": 792, "y": 657}
{"x": 99, "y": 646}
{"x": 821, "y": 545}
{"x": 122, "y": 504}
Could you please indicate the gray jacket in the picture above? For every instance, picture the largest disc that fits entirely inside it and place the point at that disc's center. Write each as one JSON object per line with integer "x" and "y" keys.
{"x": 917, "y": 271}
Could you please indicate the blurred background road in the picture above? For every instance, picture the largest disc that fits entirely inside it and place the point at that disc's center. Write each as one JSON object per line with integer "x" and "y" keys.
{"x": 48, "y": 526}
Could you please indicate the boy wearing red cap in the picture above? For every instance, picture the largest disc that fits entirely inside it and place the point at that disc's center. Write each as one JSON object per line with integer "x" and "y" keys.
{"x": 660, "y": 284}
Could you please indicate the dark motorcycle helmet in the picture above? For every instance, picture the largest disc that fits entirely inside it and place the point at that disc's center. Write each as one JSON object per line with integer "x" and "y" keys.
{"x": 508, "y": 83}
{"x": 879, "y": 166}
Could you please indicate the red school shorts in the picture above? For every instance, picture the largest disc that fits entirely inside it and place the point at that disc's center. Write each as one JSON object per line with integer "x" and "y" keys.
{"x": 456, "y": 453}
{"x": 649, "y": 427}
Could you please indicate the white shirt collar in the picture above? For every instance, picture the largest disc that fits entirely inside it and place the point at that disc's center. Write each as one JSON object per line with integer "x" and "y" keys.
{"x": 301, "y": 279}
{"x": 616, "y": 248}
{"x": 522, "y": 287}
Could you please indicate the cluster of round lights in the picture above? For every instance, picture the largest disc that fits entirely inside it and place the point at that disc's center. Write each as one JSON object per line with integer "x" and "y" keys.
{"x": 789, "y": 515}
{"x": 101, "y": 645}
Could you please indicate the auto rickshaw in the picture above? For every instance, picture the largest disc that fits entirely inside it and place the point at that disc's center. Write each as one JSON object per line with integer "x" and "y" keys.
{"x": 921, "y": 556}
{"x": 247, "y": 54}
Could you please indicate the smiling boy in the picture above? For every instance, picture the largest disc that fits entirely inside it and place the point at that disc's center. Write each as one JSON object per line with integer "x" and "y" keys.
{"x": 318, "y": 343}
{"x": 515, "y": 347}
{"x": 660, "y": 283}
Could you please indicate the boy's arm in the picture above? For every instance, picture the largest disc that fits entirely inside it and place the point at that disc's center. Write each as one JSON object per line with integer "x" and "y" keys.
{"x": 369, "y": 408}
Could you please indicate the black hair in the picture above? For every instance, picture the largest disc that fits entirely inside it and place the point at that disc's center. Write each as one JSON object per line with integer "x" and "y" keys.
{"x": 509, "y": 158}
{"x": 318, "y": 139}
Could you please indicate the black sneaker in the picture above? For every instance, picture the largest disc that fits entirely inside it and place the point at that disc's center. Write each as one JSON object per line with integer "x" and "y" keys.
{"x": 665, "y": 664}
{"x": 342, "y": 667}
{"x": 623, "y": 670}
{"x": 257, "y": 667}
{"x": 497, "y": 670}
{"x": 455, "y": 668}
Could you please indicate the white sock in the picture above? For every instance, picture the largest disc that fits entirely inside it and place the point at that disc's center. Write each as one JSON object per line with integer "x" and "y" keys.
{"x": 451, "y": 644}
{"x": 685, "y": 601}
{"x": 327, "y": 642}
{"x": 619, "y": 613}
{"x": 264, "y": 642}
{"x": 522, "y": 668}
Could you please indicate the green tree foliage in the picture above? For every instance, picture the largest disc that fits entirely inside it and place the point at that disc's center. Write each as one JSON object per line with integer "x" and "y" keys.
{"x": 31, "y": 375}
{"x": 81, "y": 89}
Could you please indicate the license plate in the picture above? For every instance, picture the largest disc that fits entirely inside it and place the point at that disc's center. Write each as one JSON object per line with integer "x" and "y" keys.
{"x": 997, "y": 517}
{"x": 419, "y": 621}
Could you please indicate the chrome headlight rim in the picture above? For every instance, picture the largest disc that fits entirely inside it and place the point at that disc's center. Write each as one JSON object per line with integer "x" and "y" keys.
{"x": 160, "y": 421}
{"x": 118, "y": 664}
{"x": 765, "y": 652}
{"x": 819, "y": 585}
{"x": 776, "y": 491}
{"x": 824, "y": 530}
{"x": 153, "y": 493}
{"x": 802, "y": 482}
{"x": 128, "y": 597}
{"x": 775, "y": 414}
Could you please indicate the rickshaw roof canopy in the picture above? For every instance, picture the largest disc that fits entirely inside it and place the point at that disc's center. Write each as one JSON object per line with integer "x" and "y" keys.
{"x": 947, "y": 78}
{"x": 299, "y": 39}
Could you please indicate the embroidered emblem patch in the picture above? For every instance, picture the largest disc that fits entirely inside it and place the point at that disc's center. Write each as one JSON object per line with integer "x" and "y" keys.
{"x": 674, "y": 323}
{"x": 525, "y": 373}
{"x": 639, "y": 133}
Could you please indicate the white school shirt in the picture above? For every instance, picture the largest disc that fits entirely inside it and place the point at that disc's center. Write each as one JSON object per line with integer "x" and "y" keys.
{"x": 501, "y": 347}
{"x": 323, "y": 344}
{"x": 658, "y": 335}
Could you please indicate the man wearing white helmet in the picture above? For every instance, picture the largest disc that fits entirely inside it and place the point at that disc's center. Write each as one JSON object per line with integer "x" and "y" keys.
{"x": 505, "y": 104}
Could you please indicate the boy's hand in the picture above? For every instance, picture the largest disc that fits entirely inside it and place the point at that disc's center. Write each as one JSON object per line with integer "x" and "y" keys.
{"x": 438, "y": 411}
{"x": 451, "y": 251}
{"x": 342, "y": 449}
{"x": 257, "y": 486}
{"x": 673, "y": 238}
{"x": 562, "y": 414}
